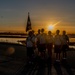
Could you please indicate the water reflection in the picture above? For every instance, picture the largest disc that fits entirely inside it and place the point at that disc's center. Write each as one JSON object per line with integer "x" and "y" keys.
{"x": 15, "y": 40}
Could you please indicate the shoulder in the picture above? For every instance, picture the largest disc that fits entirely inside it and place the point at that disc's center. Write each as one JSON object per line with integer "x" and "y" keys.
{"x": 28, "y": 38}
{"x": 38, "y": 35}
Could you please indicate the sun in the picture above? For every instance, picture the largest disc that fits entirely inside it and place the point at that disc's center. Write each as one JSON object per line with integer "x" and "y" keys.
{"x": 51, "y": 27}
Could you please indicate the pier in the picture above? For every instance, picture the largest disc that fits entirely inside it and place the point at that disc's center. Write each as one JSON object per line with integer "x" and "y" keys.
{"x": 16, "y": 64}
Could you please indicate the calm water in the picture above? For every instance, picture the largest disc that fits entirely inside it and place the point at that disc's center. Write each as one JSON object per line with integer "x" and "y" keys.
{"x": 72, "y": 39}
{"x": 12, "y": 40}
{"x": 16, "y": 39}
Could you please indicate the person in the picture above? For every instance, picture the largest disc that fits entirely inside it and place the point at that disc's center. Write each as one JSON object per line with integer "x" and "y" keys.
{"x": 33, "y": 33}
{"x": 57, "y": 45}
{"x": 37, "y": 40}
{"x": 34, "y": 39}
{"x": 65, "y": 45}
{"x": 42, "y": 43}
{"x": 38, "y": 31}
{"x": 49, "y": 48}
{"x": 50, "y": 43}
{"x": 30, "y": 47}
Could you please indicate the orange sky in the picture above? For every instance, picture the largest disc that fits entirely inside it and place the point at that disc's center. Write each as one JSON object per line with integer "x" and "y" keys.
{"x": 38, "y": 25}
{"x": 14, "y": 13}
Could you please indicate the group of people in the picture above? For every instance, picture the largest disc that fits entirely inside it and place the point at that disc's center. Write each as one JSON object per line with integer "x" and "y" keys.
{"x": 47, "y": 43}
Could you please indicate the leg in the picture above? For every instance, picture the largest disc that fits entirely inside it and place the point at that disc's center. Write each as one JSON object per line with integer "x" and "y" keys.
{"x": 65, "y": 54}
{"x": 56, "y": 56}
{"x": 59, "y": 56}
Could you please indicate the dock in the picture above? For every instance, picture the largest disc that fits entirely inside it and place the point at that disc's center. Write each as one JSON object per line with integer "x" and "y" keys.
{"x": 16, "y": 63}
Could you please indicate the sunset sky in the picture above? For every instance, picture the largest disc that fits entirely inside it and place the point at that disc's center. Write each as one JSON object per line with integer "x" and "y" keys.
{"x": 43, "y": 13}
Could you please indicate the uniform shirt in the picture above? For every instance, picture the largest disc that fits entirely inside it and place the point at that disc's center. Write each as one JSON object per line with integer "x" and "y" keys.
{"x": 42, "y": 38}
{"x": 37, "y": 38}
{"x": 57, "y": 40}
{"x": 30, "y": 41}
{"x": 49, "y": 39}
{"x": 65, "y": 39}
{"x": 34, "y": 38}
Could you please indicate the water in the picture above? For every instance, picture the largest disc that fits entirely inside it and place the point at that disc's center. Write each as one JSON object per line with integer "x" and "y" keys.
{"x": 16, "y": 39}
{"x": 12, "y": 40}
{"x": 72, "y": 39}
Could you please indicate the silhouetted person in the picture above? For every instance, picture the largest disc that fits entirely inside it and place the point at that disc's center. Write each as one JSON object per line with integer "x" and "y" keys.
{"x": 34, "y": 39}
{"x": 38, "y": 31}
{"x": 42, "y": 43}
{"x": 33, "y": 32}
{"x": 57, "y": 45}
{"x": 65, "y": 45}
{"x": 38, "y": 40}
{"x": 50, "y": 43}
{"x": 49, "y": 48}
{"x": 30, "y": 46}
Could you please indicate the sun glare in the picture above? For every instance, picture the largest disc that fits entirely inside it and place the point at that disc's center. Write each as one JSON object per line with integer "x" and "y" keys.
{"x": 50, "y": 27}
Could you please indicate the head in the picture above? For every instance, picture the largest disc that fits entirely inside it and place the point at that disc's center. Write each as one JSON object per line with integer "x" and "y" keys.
{"x": 49, "y": 32}
{"x": 30, "y": 33}
{"x": 57, "y": 32}
{"x": 42, "y": 30}
{"x": 64, "y": 32}
{"x": 33, "y": 31}
{"x": 38, "y": 31}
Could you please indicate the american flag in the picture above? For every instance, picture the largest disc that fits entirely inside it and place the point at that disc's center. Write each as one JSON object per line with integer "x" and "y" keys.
{"x": 28, "y": 27}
